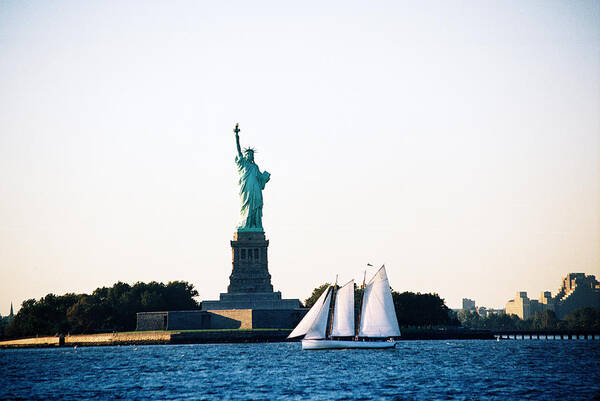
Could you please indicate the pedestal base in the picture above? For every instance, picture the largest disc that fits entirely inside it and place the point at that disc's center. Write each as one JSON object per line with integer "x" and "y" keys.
{"x": 253, "y": 300}
{"x": 250, "y": 287}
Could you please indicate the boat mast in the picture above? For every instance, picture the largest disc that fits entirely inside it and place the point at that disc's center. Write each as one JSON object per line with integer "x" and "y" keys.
{"x": 357, "y": 328}
{"x": 334, "y": 293}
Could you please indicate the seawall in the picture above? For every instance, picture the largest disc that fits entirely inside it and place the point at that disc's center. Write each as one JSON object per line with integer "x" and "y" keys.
{"x": 220, "y": 336}
{"x": 31, "y": 342}
{"x": 152, "y": 337}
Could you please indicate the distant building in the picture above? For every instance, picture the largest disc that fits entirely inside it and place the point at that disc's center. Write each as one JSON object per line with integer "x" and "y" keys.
{"x": 577, "y": 291}
{"x": 10, "y": 315}
{"x": 525, "y": 308}
{"x": 486, "y": 312}
{"x": 468, "y": 304}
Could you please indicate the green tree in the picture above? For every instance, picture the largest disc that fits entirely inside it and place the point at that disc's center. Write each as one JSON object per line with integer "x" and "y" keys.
{"x": 500, "y": 321}
{"x": 89, "y": 314}
{"x": 421, "y": 309}
{"x": 470, "y": 318}
{"x": 310, "y": 301}
{"x": 584, "y": 318}
{"x": 544, "y": 320}
{"x": 44, "y": 317}
{"x": 540, "y": 321}
{"x": 106, "y": 309}
{"x": 3, "y": 324}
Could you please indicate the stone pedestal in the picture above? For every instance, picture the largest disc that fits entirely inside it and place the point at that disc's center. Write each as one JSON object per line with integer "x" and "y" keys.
{"x": 250, "y": 273}
{"x": 250, "y": 282}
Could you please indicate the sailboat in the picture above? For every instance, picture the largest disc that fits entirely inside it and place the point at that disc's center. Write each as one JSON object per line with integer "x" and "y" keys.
{"x": 376, "y": 322}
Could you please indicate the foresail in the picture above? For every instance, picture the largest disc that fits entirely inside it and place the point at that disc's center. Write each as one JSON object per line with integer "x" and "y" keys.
{"x": 318, "y": 329}
{"x": 343, "y": 312}
{"x": 308, "y": 319}
{"x": 378, "y": 316}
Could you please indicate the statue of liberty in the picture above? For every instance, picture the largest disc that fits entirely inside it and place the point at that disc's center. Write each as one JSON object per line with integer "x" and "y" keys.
{"x": 252, "y": 182}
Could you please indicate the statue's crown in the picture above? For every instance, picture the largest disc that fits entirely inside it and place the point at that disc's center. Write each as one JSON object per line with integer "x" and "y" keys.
{"x": 249, "y": 150}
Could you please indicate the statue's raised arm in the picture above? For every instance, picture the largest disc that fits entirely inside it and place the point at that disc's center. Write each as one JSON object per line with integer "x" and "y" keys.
{"x": 237, "y": 139}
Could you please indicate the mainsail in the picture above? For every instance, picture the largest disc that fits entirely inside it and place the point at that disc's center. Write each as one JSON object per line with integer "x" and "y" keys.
{"x": 318, "y": 328}
{"x": 310, "y": 317}
{"x": 378, "y": 316}
{"x": 343, "y": 313}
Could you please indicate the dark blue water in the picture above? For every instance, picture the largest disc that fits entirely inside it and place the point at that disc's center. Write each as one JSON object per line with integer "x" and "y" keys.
{"x": 415, "y": 370}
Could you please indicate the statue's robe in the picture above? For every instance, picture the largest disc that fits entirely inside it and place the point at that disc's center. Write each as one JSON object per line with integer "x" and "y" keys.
{"x": 252, "y": 182}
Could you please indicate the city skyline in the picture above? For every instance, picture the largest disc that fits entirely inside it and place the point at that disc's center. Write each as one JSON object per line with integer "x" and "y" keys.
{"x": 458, "y": 143}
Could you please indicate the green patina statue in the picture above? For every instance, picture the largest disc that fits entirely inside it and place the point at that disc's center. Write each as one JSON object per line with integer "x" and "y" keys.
{"x": 252, "y": 182}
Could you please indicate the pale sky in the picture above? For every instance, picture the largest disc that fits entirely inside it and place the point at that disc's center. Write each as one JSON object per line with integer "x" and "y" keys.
{"x": 456, "y": 142}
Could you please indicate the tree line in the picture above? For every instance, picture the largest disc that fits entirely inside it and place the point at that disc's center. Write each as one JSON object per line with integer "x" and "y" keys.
{"x": 106, "y": 309}
{"x": 583, "y": 318}
{"x": 114, "y": 309}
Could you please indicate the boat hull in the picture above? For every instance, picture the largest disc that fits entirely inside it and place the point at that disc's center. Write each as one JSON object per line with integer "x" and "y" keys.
{"x": 345, "y": 344}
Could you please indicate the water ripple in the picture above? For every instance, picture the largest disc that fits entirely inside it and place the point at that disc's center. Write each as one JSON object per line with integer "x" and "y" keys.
{"x": 415, "y": 370}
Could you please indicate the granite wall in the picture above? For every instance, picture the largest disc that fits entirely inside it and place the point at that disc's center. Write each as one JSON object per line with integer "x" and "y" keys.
{"x": 220, "y": 319}
{"x": 173, "y": 320}
{"x": 277, "y": 319}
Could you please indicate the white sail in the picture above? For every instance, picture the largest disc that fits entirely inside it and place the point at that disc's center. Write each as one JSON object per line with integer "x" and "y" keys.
{"x": 308, "y": 319}
{"x": 318, "y": 329}
{"x": 378, "y": 316}
{"x": 343, "y": 312}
